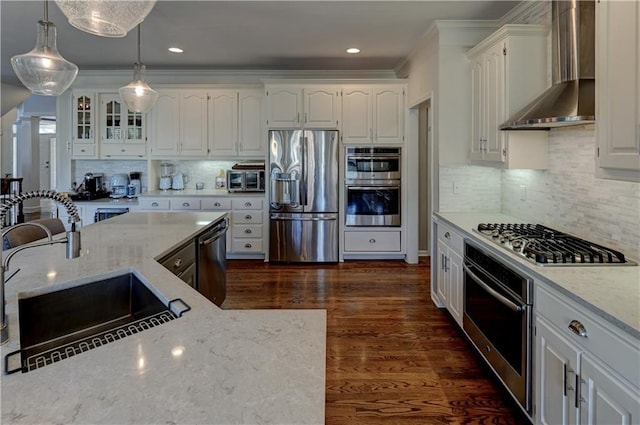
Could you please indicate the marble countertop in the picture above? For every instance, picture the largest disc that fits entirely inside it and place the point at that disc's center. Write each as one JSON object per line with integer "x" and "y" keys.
{"x": 195, "y": 192}
{"x": 612, "y": 292}
{"x": 211, "y": 366}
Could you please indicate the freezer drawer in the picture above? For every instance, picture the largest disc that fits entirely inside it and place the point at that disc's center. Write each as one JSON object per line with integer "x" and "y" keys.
{"x": 303, "y": 237}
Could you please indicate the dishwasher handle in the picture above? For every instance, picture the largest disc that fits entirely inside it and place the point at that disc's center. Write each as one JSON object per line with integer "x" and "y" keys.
{"x": 214, "y": 234}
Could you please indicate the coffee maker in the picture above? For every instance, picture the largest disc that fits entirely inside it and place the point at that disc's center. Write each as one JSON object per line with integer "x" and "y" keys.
{"x": 91, "y": 187}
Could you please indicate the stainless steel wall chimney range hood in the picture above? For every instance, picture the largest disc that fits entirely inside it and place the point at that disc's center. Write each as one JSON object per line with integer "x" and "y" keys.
{"x": 571, "y": 98}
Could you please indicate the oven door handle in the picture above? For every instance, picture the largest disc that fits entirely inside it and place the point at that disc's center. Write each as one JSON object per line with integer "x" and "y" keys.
{"x": 381, "y": 187}
{"x": 508, "y": 303}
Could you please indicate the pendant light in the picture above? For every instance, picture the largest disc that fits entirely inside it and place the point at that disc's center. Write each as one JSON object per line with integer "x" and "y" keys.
{"x": 137, "y": 95}
{"x": 106, "y": 18}
{"x": 43, "y": 71}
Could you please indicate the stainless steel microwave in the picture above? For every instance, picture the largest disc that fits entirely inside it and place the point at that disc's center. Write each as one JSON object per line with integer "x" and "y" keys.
{"x": 245, "y": 181}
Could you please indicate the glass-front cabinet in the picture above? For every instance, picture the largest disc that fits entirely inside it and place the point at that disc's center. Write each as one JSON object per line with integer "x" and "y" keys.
{"x": 122, "y": 131}
{"x": 83, "y": 133}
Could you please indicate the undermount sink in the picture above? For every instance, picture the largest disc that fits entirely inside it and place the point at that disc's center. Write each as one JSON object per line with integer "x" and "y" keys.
{"x": 57, "y": 325}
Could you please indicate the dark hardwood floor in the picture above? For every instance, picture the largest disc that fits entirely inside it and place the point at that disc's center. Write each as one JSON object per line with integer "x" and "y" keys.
{"x": 392, "y": 356}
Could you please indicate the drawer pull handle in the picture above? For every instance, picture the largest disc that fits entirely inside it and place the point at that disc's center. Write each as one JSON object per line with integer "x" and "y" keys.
{"x": 578, "y": 328}
{"x": 186, "y": 204}
{"x": 248, "y": 245}
{"x": 248, "y": 217}
{"x": 247, "y": 231}
{"x": 372, "y": 240}
{"x": 154, "y": 204}
{"x": 447, "y": 235}
{"x": 247, "y": 204}
{"x": 217, "y": 204}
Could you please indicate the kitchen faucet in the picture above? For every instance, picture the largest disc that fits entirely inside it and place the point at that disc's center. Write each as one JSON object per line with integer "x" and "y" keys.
{"x": 72, "y": 240}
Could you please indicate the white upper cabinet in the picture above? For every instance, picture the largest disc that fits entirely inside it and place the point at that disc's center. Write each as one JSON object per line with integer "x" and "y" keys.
{"x": 235, "y": 123}
{"x": 294, "y": 106}
{"x": 508, "y": 70}
{"x": 373, "y": 114}
{"x": 180, "y": 124}
{"x": 193, "y": 123}
{"x": 122, "y": 131}
{"x": 618, "y": 88}
{"x": 223, "y": 119}
{"x": 165, "y": 116}
{"x": 84, "y": 125}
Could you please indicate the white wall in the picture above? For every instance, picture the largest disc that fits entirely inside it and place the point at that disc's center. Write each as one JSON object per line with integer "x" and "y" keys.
{"x": 6, "y": 144}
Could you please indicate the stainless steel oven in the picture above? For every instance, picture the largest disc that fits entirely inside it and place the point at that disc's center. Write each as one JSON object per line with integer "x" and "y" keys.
{"x": 372, "y": 203}
{"x": 372, "y": 186}
{"x": 498, "y": 305}
{"x": 372, "y": 163}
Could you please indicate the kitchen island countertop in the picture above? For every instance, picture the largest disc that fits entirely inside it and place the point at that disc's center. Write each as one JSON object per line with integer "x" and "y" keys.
{"x": 612, "y": 292}
{"x": 211, "y": 366}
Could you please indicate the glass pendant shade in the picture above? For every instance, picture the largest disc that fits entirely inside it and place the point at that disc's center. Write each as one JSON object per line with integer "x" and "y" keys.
{"x": 106, "y": 18}
{"x": 43, "y": 71}
{"x": 137, "y": 95}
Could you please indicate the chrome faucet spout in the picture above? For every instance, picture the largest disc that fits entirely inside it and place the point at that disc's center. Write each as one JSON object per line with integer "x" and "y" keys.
{"x": 72, "y": 239}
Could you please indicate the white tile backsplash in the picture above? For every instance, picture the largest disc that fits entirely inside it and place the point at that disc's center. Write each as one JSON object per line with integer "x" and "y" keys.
{"x": 478, "y": 188}
{"x": 569, "y": 197}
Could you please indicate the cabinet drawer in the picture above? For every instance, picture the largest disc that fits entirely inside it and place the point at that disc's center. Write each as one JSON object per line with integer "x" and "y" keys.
{"x": 246, "y": 217}
{"x": 247, "y": 231}
{"x": 247, "y": 204}
{"x": 246, "y": 245}
{"x": 116, "y": 150}
{"x": 450, "y": 238}
{"x": 84, "y": 150}
{"x": 185, "y": 204}
{"x": 601, "y": 340}
{"x": 216, "y": 204}
{"x": 153, "y": 203}
{"x": 372, "y": 241}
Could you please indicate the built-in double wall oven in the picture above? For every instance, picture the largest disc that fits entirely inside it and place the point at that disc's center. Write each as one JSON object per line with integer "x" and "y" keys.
{"x": 372, "y": 186}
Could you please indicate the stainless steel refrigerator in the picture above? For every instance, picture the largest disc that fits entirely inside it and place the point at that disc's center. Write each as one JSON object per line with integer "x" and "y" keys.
{"x": 303, "y": 207}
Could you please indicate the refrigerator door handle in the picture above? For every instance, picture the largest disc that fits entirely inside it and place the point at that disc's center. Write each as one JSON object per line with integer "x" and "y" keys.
{"x": 303, "y": 178}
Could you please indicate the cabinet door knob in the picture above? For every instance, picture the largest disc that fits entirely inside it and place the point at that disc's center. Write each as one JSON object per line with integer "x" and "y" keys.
{"x": 578, "y": 328}
{"x": 248, "y": 217}
{"x": 247, "y": 231}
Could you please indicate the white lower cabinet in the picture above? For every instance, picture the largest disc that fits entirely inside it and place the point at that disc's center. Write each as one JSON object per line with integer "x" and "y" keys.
{"x": 586, "y": 371}
{"x": 449, "y": 270}
{"x": 372, "y": 241}
{"x": 185, "y": 204}
{"x": 247, "y": 224}
{"x": 153, "y": 204}
{"x": 246, "y": 218}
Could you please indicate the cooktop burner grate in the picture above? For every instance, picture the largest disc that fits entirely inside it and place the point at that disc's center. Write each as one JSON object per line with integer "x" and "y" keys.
{"x": 545, "y": 246}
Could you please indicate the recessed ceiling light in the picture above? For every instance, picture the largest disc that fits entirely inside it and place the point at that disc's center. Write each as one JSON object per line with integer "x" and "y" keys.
{"x": 353, "y": 50}
{"x": 175, "y": 50}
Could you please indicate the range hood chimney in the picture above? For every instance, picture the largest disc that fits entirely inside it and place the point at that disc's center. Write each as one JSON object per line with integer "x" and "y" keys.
{"x": 571, "y": 98}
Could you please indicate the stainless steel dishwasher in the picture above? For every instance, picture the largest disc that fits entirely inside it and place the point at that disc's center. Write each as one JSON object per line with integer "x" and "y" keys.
{"x": 212, "y": 263}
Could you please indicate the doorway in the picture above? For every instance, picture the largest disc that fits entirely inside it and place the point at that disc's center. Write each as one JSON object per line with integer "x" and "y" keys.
{"x": 424, "y": 173}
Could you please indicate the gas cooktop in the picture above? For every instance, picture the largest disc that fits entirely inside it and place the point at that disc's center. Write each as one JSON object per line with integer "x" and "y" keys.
{"x": 545, "y": 246}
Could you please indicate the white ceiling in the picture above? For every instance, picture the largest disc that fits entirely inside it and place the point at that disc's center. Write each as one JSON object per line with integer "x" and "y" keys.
{"x": 284, "y": 35}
